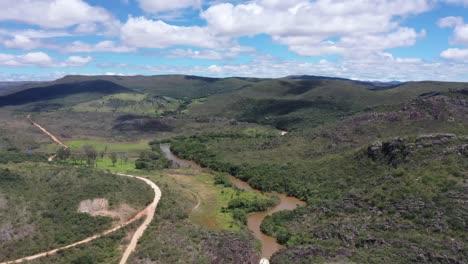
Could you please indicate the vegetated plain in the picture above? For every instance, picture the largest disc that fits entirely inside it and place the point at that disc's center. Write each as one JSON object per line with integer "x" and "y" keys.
{"x": 383, "y": 168}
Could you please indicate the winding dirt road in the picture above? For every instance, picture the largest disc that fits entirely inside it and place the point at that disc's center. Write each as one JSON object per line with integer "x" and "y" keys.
{"x": 149, "y": 211}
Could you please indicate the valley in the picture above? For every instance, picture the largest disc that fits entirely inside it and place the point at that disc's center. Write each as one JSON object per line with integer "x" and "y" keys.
{"x": 294, "y": 170}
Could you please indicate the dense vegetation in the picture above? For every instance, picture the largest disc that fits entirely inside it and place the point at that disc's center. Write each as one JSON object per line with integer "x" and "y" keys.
{"x": 152, "y": 160}
{"x": 397, "y": 201}
{"x": 381, "y": 166}
{"x": 39, "y": 205}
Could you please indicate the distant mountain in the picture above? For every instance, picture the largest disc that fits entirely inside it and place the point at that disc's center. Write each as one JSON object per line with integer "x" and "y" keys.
{"x": 9, "y": 85}
{"x": 175, "y": 86}
{"x": 313, "y": 77}
{"x": 57, "y": 91}
{"x": 373, "y": 85}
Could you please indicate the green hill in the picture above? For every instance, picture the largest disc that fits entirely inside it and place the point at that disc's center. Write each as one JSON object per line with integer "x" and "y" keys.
{"x": 382, "y": 166}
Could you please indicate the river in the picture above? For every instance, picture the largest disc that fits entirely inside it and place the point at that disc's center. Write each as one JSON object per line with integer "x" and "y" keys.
{"x": 254, "y": 220}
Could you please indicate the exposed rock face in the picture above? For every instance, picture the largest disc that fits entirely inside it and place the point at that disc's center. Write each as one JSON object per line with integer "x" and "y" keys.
{"x": 93, "y": 207}
{"x": 230, "y": 250}
{"x": 308, "y": 255}
{"x": 393, "y": 152}
{"x": 437, "y": 139}
{"x": 3, "y": 202}
{"x": 462, "y": 150}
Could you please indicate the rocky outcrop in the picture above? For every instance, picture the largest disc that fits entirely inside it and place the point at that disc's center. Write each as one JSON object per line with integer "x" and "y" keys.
{"x": 392, "y": 152}
{"x": 461, "y": 150}
{"x": 308, "y": 255}
{"x": 435, "y": 139}
{"x": 230, "y": 250}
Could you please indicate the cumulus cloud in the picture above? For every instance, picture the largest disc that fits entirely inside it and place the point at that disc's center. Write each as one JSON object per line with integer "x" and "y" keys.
{"x": 146, "y": 33}
{"x": 321, "y": 18}
{"x": 460, "y": 36}
{"x": 152, "y": 6}
{"x": 56, "y": 13}
{"x": 455, "y": 54}
{"x": 377, "y": 67}
{"x": 21, "y": 42}
{"x": 103, "y": 46}
{"x": 29, "y": 59}
{"x": 41, "y": 59}
{"x": 208, "y": 54}
{"x": 307, "y": 27}
{"x": 460, "y": 32}
{"x": 76, "y": 61}
{"x": 352, "y": 45}
{"x": 36, "y": 33}
{"x": 450, "y": 21}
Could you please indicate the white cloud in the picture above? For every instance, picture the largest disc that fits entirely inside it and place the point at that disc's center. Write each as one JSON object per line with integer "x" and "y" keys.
{"x": 455, "y": 54}
{"x": 76, "y": 61}
{"x": 21, "y": 42}
{"x": 460, "y": 32}
{"x": 145, "y": 33}
{"x": 103, "y": 46}
{"x": 321, "y": 18}
{"x": 307, "y": 27}
{"x": 36, "y": 34}
{"x": 352, "y": 45}
{"x": 450, "y": 21}
{"x": 41, "y": 59}
{"x": 208, "y": 54}
{"x": 86, "y": 28}
{"x": 460, "y": 36}
{"x": 56, "y": 13}
{"x": 157, "y": 6}
{"x": 378, "y": 67}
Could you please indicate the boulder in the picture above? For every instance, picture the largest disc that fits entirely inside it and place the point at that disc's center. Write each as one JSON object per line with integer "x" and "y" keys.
{"x": 393, "y": 152}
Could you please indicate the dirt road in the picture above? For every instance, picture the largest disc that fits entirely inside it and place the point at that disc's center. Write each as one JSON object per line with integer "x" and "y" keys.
{"x": 54, "y": 138}
{"x": 149, "y": 211}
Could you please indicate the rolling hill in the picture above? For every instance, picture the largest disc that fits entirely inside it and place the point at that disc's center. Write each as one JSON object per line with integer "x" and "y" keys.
{"x": 381, "y": 166}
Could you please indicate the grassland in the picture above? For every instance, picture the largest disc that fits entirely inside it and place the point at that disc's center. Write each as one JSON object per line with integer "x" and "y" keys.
{"x": 216, "y": 209}
{"x": 110, "y": 146}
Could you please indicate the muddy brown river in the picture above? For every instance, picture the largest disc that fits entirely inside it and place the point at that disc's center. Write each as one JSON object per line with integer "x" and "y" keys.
{"x": 254, "y": 220}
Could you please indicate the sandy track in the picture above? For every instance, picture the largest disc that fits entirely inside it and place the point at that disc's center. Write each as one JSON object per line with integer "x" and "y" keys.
{"x": 149, "y": 211}
{"x": 54, "y": 138}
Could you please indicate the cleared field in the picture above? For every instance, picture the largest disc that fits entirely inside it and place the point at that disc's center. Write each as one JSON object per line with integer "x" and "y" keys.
{"x": 111, "y": 146}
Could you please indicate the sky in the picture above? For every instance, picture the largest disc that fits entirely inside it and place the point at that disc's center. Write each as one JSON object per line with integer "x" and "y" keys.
{"x": 380, "y": 40}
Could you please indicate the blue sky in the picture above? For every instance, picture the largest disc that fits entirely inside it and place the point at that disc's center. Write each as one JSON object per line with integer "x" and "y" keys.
{"x": 360, "y": 39}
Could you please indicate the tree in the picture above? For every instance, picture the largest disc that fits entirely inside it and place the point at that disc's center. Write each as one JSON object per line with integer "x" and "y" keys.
{"x": 63, "y": 153}
{"x": 123, "y": 157}
{"x": 102, "y": 154}
{"x": 113, "y": 157}
{"x": 90, "y": 153}
{"x": 80, "y": 156}
{"x": 74, "y": 158}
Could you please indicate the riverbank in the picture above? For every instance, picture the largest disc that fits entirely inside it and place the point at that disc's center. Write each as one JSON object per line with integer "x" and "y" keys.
{"x": 254, "y": 220}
